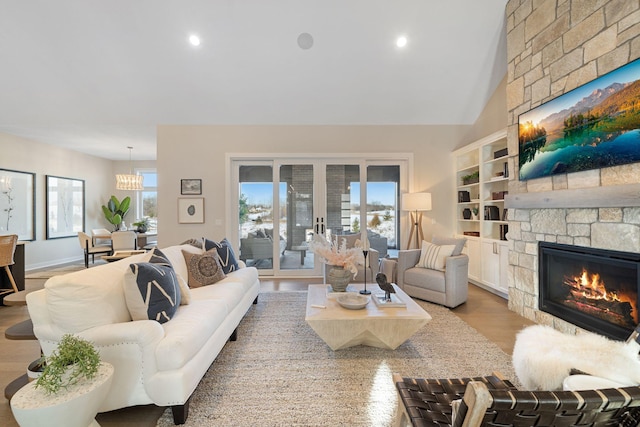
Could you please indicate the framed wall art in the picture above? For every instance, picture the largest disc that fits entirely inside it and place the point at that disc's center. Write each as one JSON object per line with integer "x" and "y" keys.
{"x": 65, "y": 206}
{"x": 191, "y": 186}
{"x": 191, "y": 210}
{"x": 17, "y": 203}
{"x": 594, "y": 126}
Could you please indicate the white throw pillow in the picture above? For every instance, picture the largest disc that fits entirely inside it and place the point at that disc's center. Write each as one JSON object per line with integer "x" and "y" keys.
{"x": 151, "y": 291}
{"x": 434, "y": 256}
{"x": 88, "y": 298}
{"x": 185, "y": 292}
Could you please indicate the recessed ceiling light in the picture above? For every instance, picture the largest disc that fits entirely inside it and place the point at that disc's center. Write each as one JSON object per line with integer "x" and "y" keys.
{"x": 194, "y": 40}
{"x": 401, "y": 41}
{"x": 305, "y": 41}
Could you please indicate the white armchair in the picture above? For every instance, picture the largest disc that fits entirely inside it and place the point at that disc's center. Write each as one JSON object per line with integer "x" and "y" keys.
{"x": 448, "y": 287}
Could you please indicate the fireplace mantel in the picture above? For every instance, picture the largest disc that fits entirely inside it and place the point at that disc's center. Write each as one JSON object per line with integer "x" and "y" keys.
{"x": 614, "y": 196}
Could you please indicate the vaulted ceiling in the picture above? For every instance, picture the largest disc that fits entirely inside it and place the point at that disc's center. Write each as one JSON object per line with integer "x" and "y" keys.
{"x": 98, "y": 76}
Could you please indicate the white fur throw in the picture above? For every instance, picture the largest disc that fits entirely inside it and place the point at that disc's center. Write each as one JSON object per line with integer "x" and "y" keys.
{"x": 543, "y": 357}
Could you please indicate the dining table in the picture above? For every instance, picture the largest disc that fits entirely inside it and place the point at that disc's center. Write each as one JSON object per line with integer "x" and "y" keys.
{"x": 143, "y": 239}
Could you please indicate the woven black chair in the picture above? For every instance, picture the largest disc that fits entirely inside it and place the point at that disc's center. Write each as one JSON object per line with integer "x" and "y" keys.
{"x": 492, "y": 402}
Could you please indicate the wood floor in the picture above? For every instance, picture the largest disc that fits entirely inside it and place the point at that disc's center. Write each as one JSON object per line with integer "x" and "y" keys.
{"x": 484, "y": 311}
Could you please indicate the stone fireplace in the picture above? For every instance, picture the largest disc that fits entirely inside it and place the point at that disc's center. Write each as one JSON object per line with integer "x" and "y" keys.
{"x": 591, "y": 288}
{"x": 554, "y": 46}
{"x": 589, "y": 230}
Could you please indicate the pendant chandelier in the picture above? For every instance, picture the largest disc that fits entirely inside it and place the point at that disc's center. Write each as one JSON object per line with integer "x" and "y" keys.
{"x": 131, "y": 181}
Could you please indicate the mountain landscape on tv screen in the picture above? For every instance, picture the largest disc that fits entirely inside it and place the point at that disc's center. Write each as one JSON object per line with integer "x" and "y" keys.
{"x": 600, "y": 130}
{"x": 555, "y": 122}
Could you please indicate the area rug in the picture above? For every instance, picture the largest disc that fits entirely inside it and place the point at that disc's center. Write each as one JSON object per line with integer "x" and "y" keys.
{"x": 279, "y": 372}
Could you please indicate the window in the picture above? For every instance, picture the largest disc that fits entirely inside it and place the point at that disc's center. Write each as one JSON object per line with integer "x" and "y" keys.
{"x": 147, "y": 203}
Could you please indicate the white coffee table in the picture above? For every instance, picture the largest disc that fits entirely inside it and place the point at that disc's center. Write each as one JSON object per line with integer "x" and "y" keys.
{"x": 373, "y": 326}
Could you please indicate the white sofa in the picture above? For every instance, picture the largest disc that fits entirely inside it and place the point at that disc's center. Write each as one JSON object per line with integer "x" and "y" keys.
{"x": 155, "y": 363}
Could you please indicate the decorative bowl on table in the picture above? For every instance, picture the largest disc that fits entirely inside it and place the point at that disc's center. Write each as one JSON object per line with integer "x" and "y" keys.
{"x": 353, "y": 301}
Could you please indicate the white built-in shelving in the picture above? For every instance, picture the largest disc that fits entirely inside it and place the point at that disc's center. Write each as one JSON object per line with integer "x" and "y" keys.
{"x": 482, "y": 178}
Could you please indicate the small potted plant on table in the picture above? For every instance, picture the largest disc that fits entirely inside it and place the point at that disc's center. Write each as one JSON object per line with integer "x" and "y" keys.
{"x": 141, "y": 225}
{"x": 70, "y": 390}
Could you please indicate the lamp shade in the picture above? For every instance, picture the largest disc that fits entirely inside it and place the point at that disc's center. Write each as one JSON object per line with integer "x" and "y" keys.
{"x": 416, "y": 202}
{"x": 129, "y": 182}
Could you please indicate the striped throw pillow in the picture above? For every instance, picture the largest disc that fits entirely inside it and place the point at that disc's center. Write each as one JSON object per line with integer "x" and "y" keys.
{"x": 434, "y": 256}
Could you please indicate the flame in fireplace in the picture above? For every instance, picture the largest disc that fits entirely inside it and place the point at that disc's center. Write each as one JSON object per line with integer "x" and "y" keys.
{"x": 590, "y": 288}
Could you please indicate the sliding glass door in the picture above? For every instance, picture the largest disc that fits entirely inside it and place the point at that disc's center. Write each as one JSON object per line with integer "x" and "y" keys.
{"x": 297, "y": 211}
{"x": 256, "y": 215}
{"x": 276, "y": 211}
{"x": 383, "y": 208}
{"x": 351, "y": 210}
{"x": 282, "y": 203}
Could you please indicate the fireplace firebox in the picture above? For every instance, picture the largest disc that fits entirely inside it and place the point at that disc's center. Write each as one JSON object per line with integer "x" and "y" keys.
{"x": 594, "y": 289}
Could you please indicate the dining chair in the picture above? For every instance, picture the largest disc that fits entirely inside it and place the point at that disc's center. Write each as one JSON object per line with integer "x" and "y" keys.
{"x": 101, "y": 236}
{"x": 7, "y": 250}
{"x": 86, "y": 243}
{"x": 124, "y": 240}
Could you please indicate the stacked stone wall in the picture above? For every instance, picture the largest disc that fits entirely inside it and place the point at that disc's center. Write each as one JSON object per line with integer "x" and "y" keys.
{"x": 554, "y": 46}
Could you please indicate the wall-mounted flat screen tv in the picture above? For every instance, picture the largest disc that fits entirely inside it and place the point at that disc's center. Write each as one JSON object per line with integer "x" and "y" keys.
{"x": 596, "y": 125}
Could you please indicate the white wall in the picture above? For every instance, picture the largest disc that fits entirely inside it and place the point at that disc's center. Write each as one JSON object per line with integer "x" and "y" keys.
{"x": 42, "y": 159}
{"x": 493, "y": 117}
{"x": 199, "y": 152}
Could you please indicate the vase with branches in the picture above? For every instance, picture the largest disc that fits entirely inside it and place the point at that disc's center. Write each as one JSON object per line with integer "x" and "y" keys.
{"x": 9, "y": 207}
{"x": 344, "y": 261}
{"x": 336, "y": 253}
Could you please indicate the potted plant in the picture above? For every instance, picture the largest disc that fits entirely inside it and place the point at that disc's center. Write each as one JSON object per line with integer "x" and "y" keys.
{"x": 141, "y": 225}
{"x": 472, "y": 178}
{"x": 73, "y": 360}
{"x": 115, "y": 210}
{"x": 72, "y": 387}
{"x": 474, "y": 213}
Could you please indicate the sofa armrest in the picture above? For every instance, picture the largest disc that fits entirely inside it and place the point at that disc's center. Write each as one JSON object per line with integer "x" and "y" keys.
{"x": 457, "y": 262}
{"x": 406, "y": 259}
{"x": 143, "y": 333}
{"x": 373, "y": 259}
{"x": 456, "y": 279}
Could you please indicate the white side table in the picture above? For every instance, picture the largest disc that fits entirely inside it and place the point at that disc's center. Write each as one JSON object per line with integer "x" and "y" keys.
{"x": 75, "y": 407}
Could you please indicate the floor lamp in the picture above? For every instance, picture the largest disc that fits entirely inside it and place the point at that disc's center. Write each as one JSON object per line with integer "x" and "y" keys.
{"x": 416, "y": 203}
